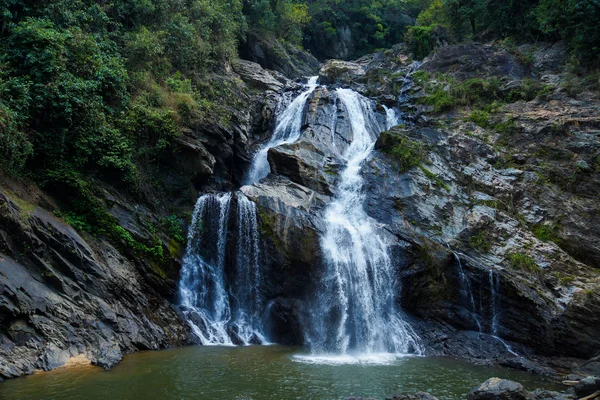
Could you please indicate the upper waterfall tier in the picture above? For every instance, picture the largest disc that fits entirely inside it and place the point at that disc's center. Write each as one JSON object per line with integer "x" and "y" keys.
{"x": 287, "y": 130}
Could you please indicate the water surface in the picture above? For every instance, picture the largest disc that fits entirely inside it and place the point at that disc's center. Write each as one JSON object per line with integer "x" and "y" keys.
{"x": 258, "y": 373}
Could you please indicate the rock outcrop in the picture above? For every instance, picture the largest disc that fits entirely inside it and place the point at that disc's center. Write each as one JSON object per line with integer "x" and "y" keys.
{"x": 64, "y": 295}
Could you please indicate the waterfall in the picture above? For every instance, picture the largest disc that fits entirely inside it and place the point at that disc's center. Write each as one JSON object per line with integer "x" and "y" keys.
{"x": 494, "y": 288}
{"x": 222, "y": 311}
{"x": 247, "y": 280}
{"x": 287, "y": 130}
{"x": 204, "y": 298}
{"x": 466, "y": 288}
{"x": 355, "y": 313}
{"x": 391, "y": 119}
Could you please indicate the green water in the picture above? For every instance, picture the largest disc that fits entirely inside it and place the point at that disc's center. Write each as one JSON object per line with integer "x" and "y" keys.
{"x": 257, "y": 372}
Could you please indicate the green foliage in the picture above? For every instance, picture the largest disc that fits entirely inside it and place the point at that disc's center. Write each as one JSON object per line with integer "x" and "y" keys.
{"x": 436, "y": 179}
{"x": 420, "y": 40}
{"x": 172, "y": 226}
{"x": 406, "y": 153}
{"x": 445, "y": 92}
{"x": 546, "y": 233}
{"x": 93, "y": 91}
{"x": 480, "y": 242}
{"x": 575, "y": 21}
{"x": 371, "y": 25}
{"x": 523, "y": 262}
{"x": 480, "y": 117}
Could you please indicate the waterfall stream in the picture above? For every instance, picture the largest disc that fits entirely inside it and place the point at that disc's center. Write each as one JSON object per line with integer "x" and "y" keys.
{"x": 355, "y": 316}
{"x": 223, "y": 311}
{"x": 287, "y": 130}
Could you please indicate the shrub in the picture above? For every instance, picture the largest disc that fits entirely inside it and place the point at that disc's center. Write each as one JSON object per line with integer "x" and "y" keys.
{"x": 523, "y": 262}
{"x": 480, "y": 117}
{"x": 480, "y": 242}
{"x": 406, "y": 153}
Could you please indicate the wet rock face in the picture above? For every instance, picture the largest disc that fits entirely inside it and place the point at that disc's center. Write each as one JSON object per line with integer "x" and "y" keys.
{"x": 64, "y": 296}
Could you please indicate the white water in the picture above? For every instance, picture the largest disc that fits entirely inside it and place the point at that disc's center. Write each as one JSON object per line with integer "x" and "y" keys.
{"x": 222, "y": 312}
{"x": 494, "y": 288}
{"x": 287, "y": 130}
{"x": 466, "y": 286}
{"x": 355, "y": 318}
{"x": 391, "y": 119}
{"x": 202, "y": 286}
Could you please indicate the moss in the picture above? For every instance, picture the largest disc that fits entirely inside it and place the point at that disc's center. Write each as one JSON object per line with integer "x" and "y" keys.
{"x": 440, "y": 99}
{"x": 330, "y": 170}
{"x": 405, "y": 152}
{"x": 523, "y": 262}
{"x": 564, "y": 280}
{"x": 176, "y": 249}
{"x": 436, "y": 179}
{"x": 480, "y": 242}
{"x": 546, "y": 233}
{"x": 267, "y": 224}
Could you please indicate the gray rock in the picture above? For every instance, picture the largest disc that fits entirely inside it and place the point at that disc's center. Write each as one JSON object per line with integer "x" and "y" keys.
{"x": 587, "y": 386}
{"x": 498, "y": 389}
{"x": 255, "y": 76}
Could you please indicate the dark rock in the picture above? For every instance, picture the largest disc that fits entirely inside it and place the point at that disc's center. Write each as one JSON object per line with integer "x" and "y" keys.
{"x": 498, "y": 389}
{"x": 587, "y": 386}
{"x": 63, "y": 295}
{"x": 540, "y": 394}
{"x": 415, "y": 396}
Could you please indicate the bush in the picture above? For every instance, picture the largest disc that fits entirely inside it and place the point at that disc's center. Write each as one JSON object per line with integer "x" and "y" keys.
{"x": 480, "y": 117}
{"x": 406, "y": 153}
{"x": 523, "y": 262}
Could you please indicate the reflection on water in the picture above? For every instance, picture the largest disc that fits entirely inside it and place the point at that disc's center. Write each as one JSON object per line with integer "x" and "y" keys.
{"x": 257, "y": 373}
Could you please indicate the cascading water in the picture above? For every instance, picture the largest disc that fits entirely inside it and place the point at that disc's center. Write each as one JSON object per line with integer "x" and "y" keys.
{"x": 222, "y": 311}
{"x": 494, "y": 288}
{"x": 246, "y": 290}
{"x": 355, "y": 314}
{"x": 466, "y": 288}
{"x": 222, "y": 308}
{"x": 287, "y": 130}
{"x": 202, "y": 291}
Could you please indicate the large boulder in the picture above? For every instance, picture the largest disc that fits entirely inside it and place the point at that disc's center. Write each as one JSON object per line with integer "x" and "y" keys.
{"x": 498, "y": 389}
{"x": 255, "y": 76}
{"x": 338, "y": 71}
{"x": 271, "y": 54}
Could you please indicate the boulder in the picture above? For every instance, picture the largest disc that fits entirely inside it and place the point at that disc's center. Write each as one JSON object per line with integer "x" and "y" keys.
{"x": 587, "y": 386}
{"x": 255, "y": 76}
{"x": 498, "y": 389}
{"x": 338, "y": 71}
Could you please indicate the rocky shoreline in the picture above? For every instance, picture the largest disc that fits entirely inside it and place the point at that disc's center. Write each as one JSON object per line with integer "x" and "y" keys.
{"x": 587, "y": 388}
